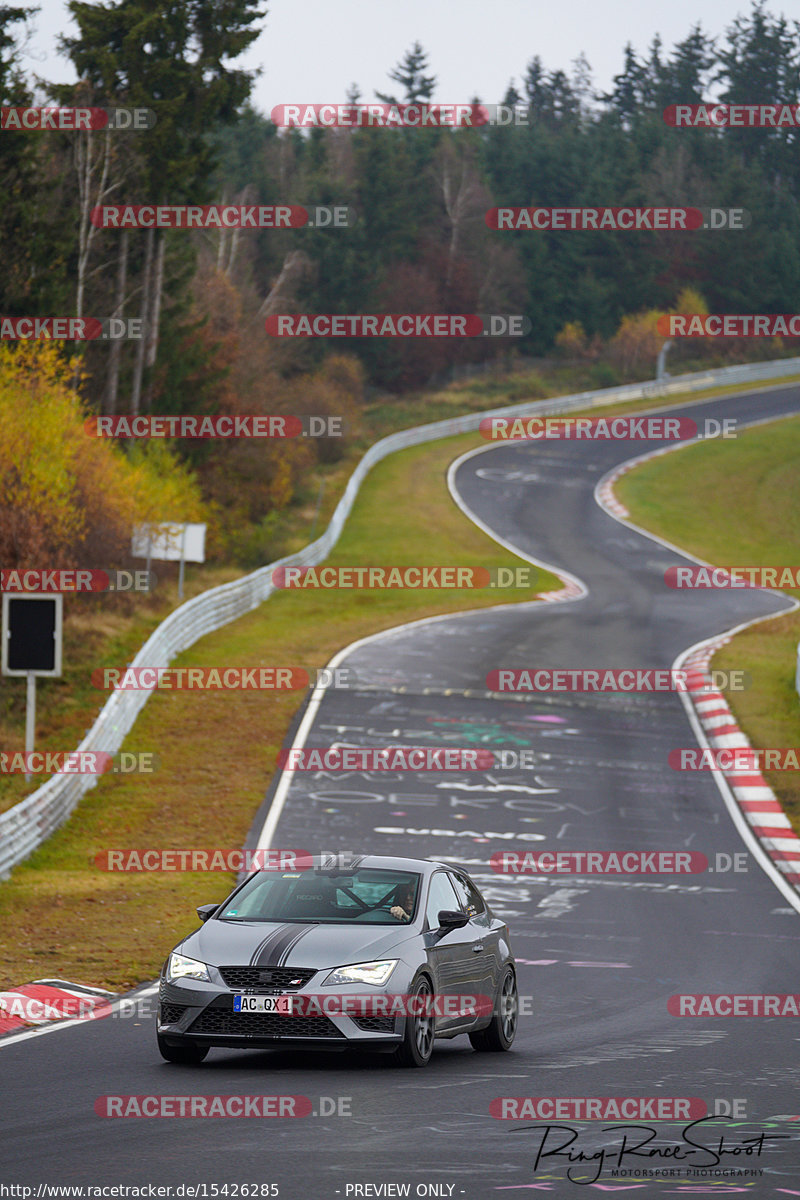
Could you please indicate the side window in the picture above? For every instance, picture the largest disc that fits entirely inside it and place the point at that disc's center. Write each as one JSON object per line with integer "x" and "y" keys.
{"x": 468, "y": 894}
{"x": 440, "y": 895}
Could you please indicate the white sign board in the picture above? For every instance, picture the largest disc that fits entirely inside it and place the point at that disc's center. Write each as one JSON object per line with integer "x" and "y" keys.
{"x": 169, "y": 542}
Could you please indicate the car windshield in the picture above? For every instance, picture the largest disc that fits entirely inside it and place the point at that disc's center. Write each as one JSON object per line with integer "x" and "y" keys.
{"x": 366, "y": 897}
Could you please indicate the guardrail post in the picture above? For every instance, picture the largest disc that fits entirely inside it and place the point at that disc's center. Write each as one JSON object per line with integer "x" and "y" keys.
{"x": 662, "y": 360}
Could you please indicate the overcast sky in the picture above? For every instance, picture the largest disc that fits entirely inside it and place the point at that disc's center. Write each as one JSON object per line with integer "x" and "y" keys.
{"x": 312, "y": 50}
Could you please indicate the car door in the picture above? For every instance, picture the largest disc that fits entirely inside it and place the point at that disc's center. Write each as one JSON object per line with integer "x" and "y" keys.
{"x": 484, "y": 929}
{"x": 454, "y": 956}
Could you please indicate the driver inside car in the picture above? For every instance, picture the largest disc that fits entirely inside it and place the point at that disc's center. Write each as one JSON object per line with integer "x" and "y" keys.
{"x": 402, "y": 910}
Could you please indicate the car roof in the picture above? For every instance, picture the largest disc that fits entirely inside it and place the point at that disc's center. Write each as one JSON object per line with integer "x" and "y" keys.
{"x": 387, "y": 862}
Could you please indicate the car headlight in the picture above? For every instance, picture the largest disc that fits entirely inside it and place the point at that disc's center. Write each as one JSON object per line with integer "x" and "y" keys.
{"x": 368, "y": 972}
{"x": 181, "y": 967}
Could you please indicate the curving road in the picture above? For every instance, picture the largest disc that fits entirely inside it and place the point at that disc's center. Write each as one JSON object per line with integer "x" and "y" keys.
{"x": 598, "y": 955}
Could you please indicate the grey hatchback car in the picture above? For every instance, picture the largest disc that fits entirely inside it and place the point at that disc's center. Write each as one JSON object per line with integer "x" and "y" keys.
{"x": 383, "y": 953}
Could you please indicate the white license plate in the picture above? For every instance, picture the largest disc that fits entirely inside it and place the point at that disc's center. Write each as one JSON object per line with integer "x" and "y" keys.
{"x": 276, "y": 1004}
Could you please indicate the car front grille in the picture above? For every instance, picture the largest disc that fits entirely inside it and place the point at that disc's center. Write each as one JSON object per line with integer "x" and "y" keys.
{"x": 172, "y": 1013}
{"x": 266, "y": 979}
{"x": 262, "y": 1025}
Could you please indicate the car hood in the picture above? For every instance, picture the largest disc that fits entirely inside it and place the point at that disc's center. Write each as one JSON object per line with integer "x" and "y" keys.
{"x": 296, "y": 944}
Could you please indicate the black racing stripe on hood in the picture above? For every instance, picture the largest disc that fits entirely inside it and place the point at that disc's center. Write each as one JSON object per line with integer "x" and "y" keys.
{"x": 263, "y": 952}
{"x": 271, "y": 951}
{"x": 287, "y": 950}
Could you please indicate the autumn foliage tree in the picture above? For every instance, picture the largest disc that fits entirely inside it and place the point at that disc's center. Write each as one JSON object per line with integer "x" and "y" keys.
{"x": 573, "y": 343}
{"x": 637, "y": 341}
{"x": 68, "y": 499}
{"x": 249, "y": 482}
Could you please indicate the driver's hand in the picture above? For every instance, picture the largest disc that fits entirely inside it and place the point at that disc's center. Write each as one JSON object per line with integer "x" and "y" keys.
{"x": 399, "y": 913}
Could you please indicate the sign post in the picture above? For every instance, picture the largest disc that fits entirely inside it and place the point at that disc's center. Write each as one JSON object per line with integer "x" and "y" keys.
{"x": 170, "y": 542}
{"x": 30, "y": 719}
{"x": 183, "y": 560}
{"x": 32, "y": 626}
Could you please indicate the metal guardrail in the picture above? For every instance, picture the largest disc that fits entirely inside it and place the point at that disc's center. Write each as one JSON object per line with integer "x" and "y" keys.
{"x": 25, "y": 826}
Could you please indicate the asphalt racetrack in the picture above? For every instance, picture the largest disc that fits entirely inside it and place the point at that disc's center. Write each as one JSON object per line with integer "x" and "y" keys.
{"x": 598, "y": 955}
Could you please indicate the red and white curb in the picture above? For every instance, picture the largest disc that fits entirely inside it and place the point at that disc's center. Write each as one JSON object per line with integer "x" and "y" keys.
{"x": 570, "y": 591}
{"x": 44, "y": 1001}
{"x": 608, "y": 497}
{"x": 756, "y": 803}
{"x": 755, "y": 798}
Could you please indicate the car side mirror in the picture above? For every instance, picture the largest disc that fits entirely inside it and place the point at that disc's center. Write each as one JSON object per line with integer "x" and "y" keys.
{"x": 205, "y": 911}
{"x": 449, "y": 918}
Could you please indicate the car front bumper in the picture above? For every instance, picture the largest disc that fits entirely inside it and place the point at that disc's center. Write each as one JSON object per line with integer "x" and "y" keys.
{"x": 202, "y": 1013}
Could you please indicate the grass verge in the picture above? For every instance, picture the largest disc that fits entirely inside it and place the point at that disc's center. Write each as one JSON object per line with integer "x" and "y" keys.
{"x": 742, "y": 509}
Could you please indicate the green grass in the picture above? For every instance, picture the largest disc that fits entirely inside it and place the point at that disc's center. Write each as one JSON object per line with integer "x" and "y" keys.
{"x": 737, "y": 503}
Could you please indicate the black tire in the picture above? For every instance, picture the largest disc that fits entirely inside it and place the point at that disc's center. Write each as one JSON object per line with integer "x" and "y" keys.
{"x": 500, "y": 1033}
{"x": 417, "y": 1046}
{"x": 188, "y": 1053}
